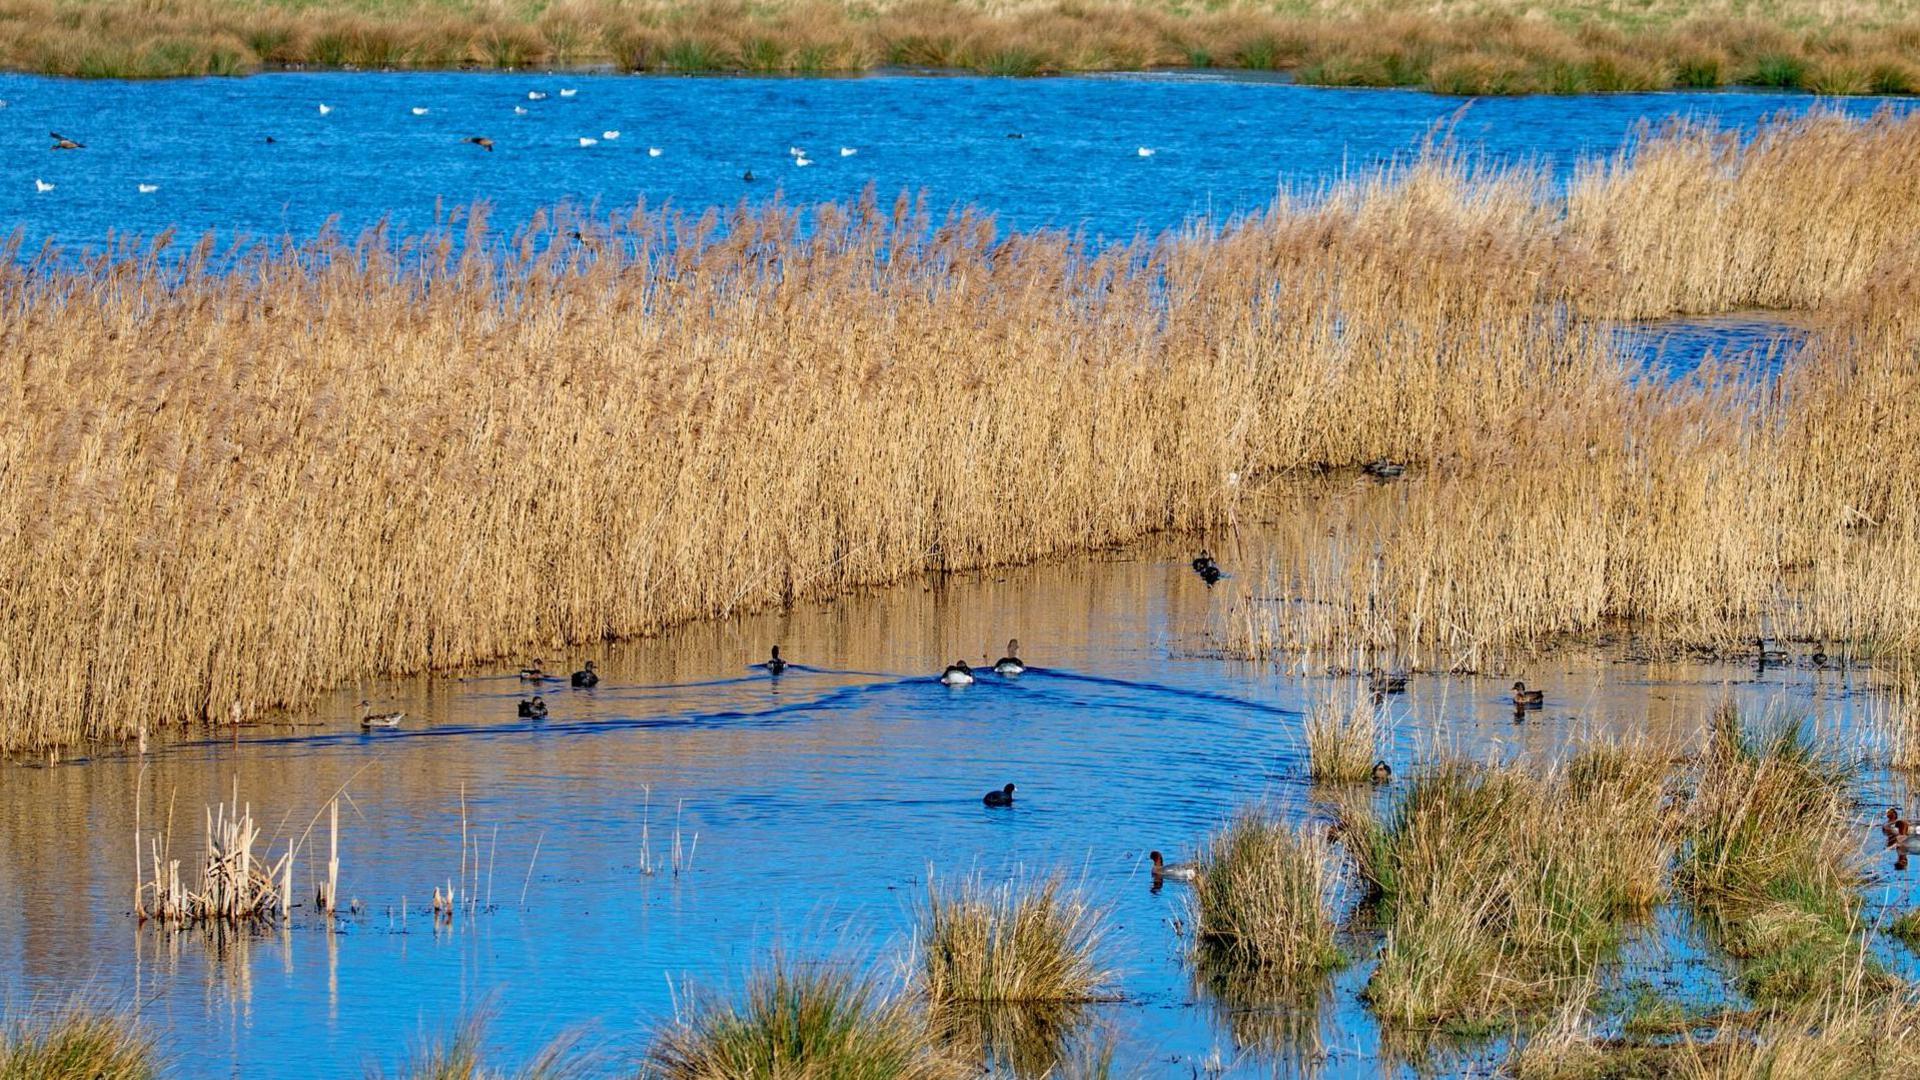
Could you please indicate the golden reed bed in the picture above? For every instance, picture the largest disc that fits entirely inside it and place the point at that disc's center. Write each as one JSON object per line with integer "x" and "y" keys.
{"x": 1453, "y": 46}
{"x": 226, "y": 490}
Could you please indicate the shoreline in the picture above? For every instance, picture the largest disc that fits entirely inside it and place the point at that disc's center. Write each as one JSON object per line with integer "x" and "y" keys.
{"x": 1499, "y": 50}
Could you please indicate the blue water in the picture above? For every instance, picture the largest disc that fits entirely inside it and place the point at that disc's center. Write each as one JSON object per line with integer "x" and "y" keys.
{"x": 820, "y": 801}
{"x": 811, "y": 809}
{"x": 1221, "y": 145}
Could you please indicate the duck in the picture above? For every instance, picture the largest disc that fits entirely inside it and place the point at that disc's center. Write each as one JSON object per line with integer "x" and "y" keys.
{"x": 61, "y": 142}
{"x": 957, "y": 674}
{"x": 1382, "y": 772}
{"x": 1771, "y": 656}
{"x": 775, "y": 665}
{"x": 1208, "y": 570}
{"x": 480, "y": 141}
{"x": 747, "y": 176}
{"x": 1003, "y": 797}
{"x": 1895, "y": 827}
{"x": 1166, "y": 871}
{"x": 370, "y": 719}
{"x": 1382, "y": 469}
{"x": 533, "y": 672}
{"x": 586, "y": 677}
{"x": 1531, "y": 699}
{"x": 1010, "y": 664}
{"x": 533, "y": 708}
{"x": 1382, "y": 683}
{"x": 1905, "y": 839}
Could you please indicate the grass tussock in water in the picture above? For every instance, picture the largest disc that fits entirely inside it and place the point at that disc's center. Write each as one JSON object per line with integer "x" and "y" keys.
{"x": 1770, "y": 854}
{"x": 1344, "y": 731}
{"x": 1263, "y": 898}
{"x": 1501, "y": 889}
{"x": 239, "y": 500}
{"x": 796, "y": 1021}
{"x": 1488, "y": 47}
{"x": 75, "y": 1042}
{"x": 1017, "y": 943}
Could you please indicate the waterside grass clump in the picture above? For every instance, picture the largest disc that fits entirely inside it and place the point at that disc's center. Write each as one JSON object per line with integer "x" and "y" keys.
{"x": 1769, "y": 855}
{"x": 802, "y": 1021}
{"x": 1343, "y": 733}
{"x": 1500, "y": 890}
{"x": 75, "y": 1042}
{"x": 237, "y": 501}
{"x": 1488, "y": 47}
{"x": 1017, "y": 943}
{"x": 1263, "y": 901}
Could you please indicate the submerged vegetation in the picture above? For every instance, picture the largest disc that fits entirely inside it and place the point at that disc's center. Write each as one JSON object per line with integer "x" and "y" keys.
{"x": 225, "y": 498}
{"x": 1482, "y": 47}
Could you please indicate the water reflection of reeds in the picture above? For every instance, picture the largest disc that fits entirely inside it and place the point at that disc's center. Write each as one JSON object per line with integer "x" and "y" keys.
{"x": 1274, "y": 1018}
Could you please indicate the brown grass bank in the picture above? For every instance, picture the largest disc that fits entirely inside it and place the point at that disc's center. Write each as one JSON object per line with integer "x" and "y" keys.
{"x": 1461, "y": 46}
{"x": 232, "y": 486}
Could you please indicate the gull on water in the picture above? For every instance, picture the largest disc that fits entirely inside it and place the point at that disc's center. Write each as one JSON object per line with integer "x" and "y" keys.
{"x": 803, "y": 161}
{"x": 609, "y": 135}
{"x": 568, "y": 93}
{"x": 536, "y": 95}
{"x": 848, "y": 151}
{"x": 419, "y": 111}
{"x": 325, "y": 108}
{"x": 1145, "y": 151}
{"x": 586, "y": 141}
{"x": 519, "y": 110}
{"x": 148, "y": 189}
{"x": 41, "y": 186}
{"x": 654, "y": 151}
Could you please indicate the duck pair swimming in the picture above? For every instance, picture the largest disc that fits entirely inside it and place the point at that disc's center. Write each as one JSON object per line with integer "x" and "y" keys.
{"x": 959, "y": 673}
{"x": 1208, "y": 570}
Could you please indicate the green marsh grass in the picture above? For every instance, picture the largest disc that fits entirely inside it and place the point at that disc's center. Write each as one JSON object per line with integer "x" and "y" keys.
{"x": 1017, "y": 943}
{"x": 798, "y": 1021}
{"x": 75, "y": 1042}
{"x": 1344, "y": 733}
{"x": 1770, "y": 855}
{"x": 1263, "y": 899}
{"x": 1500, "y": 889}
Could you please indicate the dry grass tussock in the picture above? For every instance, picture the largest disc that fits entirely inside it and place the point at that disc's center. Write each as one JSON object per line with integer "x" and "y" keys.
{"x": 1485, "y": 47}
{"x": 1017, "y": 943}
{"x": 802, "y": 1022}
{"x": 1500, "y": 888}
{"x": 75, "y": 1042}
{"x": 233, "y": 487}
{"x": 1344, "y": 732}
{"x": 1263, "y": 901}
